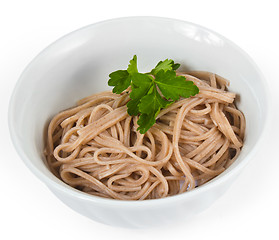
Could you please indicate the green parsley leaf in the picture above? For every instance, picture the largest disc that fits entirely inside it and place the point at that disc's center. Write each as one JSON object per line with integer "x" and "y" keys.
{"x": 121, "y": 79}
{"x": 132, "y": 67}
{"x": 165, "y": 65}
{"x": 145, "y": 122}
{"x": 146, "y": 101}
{"x": 150, "y": 106}
{"x": 152, "y": 102}
{"x": 173, "y": 87}
{"x": 140, "y": 87}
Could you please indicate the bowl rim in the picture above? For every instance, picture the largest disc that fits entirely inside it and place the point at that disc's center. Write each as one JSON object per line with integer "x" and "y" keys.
{"x": 66, "y": 189}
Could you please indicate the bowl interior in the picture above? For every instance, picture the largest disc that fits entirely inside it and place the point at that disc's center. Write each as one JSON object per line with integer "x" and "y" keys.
{"x": 78, "y": 65}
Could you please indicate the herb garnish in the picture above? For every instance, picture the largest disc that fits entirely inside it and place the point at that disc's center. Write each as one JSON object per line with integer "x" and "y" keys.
{"x": 146, "y": 101}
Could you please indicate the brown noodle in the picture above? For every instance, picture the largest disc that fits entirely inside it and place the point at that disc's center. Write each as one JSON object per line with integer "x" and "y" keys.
{"x": 95, "y": 147}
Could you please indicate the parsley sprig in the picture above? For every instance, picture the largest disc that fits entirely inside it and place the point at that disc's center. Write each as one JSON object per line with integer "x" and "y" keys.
{"x": 146, "y": 101}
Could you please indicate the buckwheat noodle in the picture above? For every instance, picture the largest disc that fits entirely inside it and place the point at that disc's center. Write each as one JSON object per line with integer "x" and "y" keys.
{"x": 95, "y": 147}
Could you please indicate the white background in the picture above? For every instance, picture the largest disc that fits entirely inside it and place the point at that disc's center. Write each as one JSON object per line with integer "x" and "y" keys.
{"x": 28, "y": 210}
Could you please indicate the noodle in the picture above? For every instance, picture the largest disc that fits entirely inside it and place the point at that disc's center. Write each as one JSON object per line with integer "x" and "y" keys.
{"x": 95, "y": 147}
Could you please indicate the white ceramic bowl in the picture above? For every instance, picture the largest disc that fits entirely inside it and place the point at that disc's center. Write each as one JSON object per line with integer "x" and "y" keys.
{"x": 78, "y": 65}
